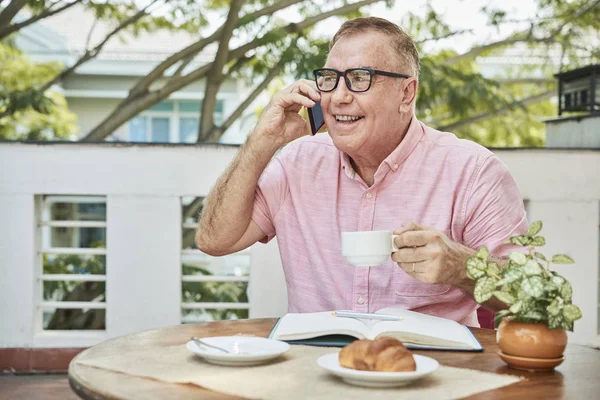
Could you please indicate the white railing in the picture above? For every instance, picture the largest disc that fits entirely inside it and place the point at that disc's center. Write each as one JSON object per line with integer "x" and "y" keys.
{"x": 143, "y": 186}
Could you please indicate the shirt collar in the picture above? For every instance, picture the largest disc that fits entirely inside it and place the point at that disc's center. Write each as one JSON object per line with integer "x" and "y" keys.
{"x": 413, "y": 136}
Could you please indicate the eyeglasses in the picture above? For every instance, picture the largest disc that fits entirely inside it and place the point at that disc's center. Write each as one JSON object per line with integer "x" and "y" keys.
{"x": 357, "y": 79}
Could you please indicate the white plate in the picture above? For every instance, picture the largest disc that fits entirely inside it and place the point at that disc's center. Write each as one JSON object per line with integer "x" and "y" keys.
{"x": 244, "y": 350}
{"x": 425, "y": 366}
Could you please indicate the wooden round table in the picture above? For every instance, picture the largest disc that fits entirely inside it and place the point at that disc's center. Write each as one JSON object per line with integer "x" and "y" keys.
{"x": 578, "y": 376}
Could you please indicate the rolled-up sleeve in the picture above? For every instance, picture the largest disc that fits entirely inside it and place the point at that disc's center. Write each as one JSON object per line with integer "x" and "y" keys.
{"x": 271, "y": 191}
{"x": 494, "y": 210}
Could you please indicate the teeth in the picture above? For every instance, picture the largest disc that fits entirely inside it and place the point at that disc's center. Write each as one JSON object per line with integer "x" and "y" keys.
{"x": 346, "y": 118}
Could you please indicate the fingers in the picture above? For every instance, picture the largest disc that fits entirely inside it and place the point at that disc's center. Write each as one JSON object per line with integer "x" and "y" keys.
{"x": 305, "y": 87}
{"x": 414, "y": 268}
{"x": 292, "y": 99}
{"x": 411, "y": 255}
{"x": 413, "y": 238}
{"x": 410, "y": 226}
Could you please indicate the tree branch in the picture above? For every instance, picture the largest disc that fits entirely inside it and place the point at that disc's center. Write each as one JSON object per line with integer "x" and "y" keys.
{"x": 134, "y": 104}
{"x": 490, "y": 114}
{"x": 144, "y": 84}
{"x": 7, "y": 15}
{"x": 273, "y": 73}
{"x": 4, "y": 32}
{"x": 449, "y": 34}
{"x": 214, "y": 77}
{"x": 90, "y": 54}
{"x": 519, "y": 81}
{"x": 522, "y": 37}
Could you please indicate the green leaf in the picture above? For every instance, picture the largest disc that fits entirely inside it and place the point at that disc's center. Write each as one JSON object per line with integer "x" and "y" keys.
{"x": 554, "y": 308}
{"x": 501, "y": 314}
{"x": 515, "y": 308}
{"x": 532, "y": 268}
{"x": 540, "y": 256}
{"x": 475, "y": 268}
{"x": 566, "y": 291}
{"x": 484, "y": 289}
{"x": 557, "y": 280}
{"x": 512, "y": 275}
{"x": 518, "y": 258}
{"x": 538, "y": 241}
{"x": 520, "y": 240}
{"x": 533, "y": 286}
{"x": 533, "y": 315}
{"x": 492, "y": 269}
{"x": 534, "y": 228}
{"x": 482, "y": 253}
{"x": 562, "y": 259}
{"x": 571, "y": 312}
{"x": 555, "y": 322}
{"x": 505, "y": 297}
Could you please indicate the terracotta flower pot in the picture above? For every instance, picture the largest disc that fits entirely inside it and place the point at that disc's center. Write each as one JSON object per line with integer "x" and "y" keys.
{"x": 530, "y": 340}
{"x": 531, "y": 346}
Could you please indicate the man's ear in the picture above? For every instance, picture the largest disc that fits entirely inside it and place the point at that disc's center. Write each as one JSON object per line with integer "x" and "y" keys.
{"x": 409, "y": 94}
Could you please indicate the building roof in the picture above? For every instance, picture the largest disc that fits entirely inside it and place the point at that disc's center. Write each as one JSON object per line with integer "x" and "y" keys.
{"x": 72, "y": 27}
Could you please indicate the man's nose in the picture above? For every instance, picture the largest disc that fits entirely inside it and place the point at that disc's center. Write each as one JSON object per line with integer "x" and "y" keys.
{"x": 341, "y": 94}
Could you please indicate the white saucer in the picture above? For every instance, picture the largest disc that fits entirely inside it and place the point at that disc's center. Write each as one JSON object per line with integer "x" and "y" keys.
{"x": 244, "y": 350}
{"x": 425, "y": 366}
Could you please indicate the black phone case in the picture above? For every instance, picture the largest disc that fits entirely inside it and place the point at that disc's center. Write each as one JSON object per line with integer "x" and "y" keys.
{"x": 315, "y": 117}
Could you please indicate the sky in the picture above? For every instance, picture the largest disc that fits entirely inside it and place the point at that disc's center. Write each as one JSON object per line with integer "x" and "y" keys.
{"x": 459, "y": 14}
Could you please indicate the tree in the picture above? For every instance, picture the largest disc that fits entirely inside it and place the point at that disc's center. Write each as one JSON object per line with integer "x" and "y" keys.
{"x": 504, "y": 110}
{"x": 36, "y": 115}
{"x": 495, "y": 111}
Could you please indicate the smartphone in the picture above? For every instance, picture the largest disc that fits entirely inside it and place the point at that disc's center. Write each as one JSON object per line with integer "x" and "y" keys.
{"x": 315, "y": 116}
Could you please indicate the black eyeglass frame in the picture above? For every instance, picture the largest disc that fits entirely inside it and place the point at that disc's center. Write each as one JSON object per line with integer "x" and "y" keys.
{"x": 338, "y": 74}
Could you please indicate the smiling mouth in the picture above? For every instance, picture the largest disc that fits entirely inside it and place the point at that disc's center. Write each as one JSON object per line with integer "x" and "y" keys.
{"x": 348, "y": 119}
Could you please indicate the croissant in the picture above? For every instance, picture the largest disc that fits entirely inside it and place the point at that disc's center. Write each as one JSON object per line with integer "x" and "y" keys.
{"x": 384, "y": 354}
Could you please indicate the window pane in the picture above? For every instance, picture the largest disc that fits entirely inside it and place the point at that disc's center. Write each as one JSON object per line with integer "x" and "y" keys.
{"x": 78, "y": 237}
{"x": 74, "y": 291}
{"x": 73, "y": 318}
{"x": 203, "y": 264}
{"x": 188, "y": 130}
{"x": 160, "y": 130}
{"x": 74, "y": 264}
{"x": 191, "y": 207}
{"x": 214, "y": 292}
{"x": 73, "y": 211}
{"x": 163, "y": 106}
{"x": 137, "y": 129}
{"x": 207, "y": 314}
{"x": 190, "y": 106}
{"x": 219, "y": 106}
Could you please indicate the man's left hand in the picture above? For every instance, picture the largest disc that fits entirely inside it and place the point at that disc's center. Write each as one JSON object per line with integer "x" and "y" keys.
{"x": 430, "y": 256}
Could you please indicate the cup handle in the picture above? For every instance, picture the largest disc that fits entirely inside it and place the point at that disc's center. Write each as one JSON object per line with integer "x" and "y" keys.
{"x": 394, "y": 247}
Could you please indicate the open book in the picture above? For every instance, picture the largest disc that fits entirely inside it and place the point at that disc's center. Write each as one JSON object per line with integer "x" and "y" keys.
{"x": 415, "y": 330}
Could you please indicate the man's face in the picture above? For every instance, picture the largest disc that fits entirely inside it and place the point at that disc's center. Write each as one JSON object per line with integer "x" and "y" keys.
{"x": 359, "y": 123}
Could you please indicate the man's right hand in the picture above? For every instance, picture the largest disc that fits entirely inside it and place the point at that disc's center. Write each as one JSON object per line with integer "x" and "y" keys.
{"x": 280, "y": 122}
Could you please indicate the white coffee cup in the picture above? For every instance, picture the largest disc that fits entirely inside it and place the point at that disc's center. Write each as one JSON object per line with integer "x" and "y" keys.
{"x": 368, "y": 248}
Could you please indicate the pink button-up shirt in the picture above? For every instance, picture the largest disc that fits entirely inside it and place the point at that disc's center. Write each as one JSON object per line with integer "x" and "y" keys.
{"x": 309, "y": 194}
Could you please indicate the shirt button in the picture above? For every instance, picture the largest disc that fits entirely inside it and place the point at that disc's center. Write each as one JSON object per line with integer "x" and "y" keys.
{"x": 395, "y": 166}
{"x": 360, "y": 300}
{"x": 369, "y": 195}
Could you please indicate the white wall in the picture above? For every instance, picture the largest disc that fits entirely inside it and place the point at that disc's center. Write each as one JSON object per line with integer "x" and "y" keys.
{"x": 144, "y": 184}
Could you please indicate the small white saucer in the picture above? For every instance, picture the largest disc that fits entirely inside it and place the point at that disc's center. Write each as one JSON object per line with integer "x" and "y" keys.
{"x": 425, "y": 366}
{"x": 244, "y": 350}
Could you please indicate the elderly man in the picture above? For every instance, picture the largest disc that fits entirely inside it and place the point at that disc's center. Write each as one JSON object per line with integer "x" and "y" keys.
{"x": 377, "y": 168}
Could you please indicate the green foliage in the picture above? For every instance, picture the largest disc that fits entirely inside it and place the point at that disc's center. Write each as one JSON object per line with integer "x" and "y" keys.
{"x": 525, "y": 283}
{"x": 37, "y": 115}
{"x": 215, "y": 292}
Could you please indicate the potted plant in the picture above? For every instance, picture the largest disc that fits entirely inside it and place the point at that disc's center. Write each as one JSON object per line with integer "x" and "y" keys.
{"x": 532, "y": 334}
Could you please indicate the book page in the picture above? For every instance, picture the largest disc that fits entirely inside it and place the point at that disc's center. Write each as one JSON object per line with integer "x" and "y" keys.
{"x": 422, "y": 329}
{"x": 309, "y": 325}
